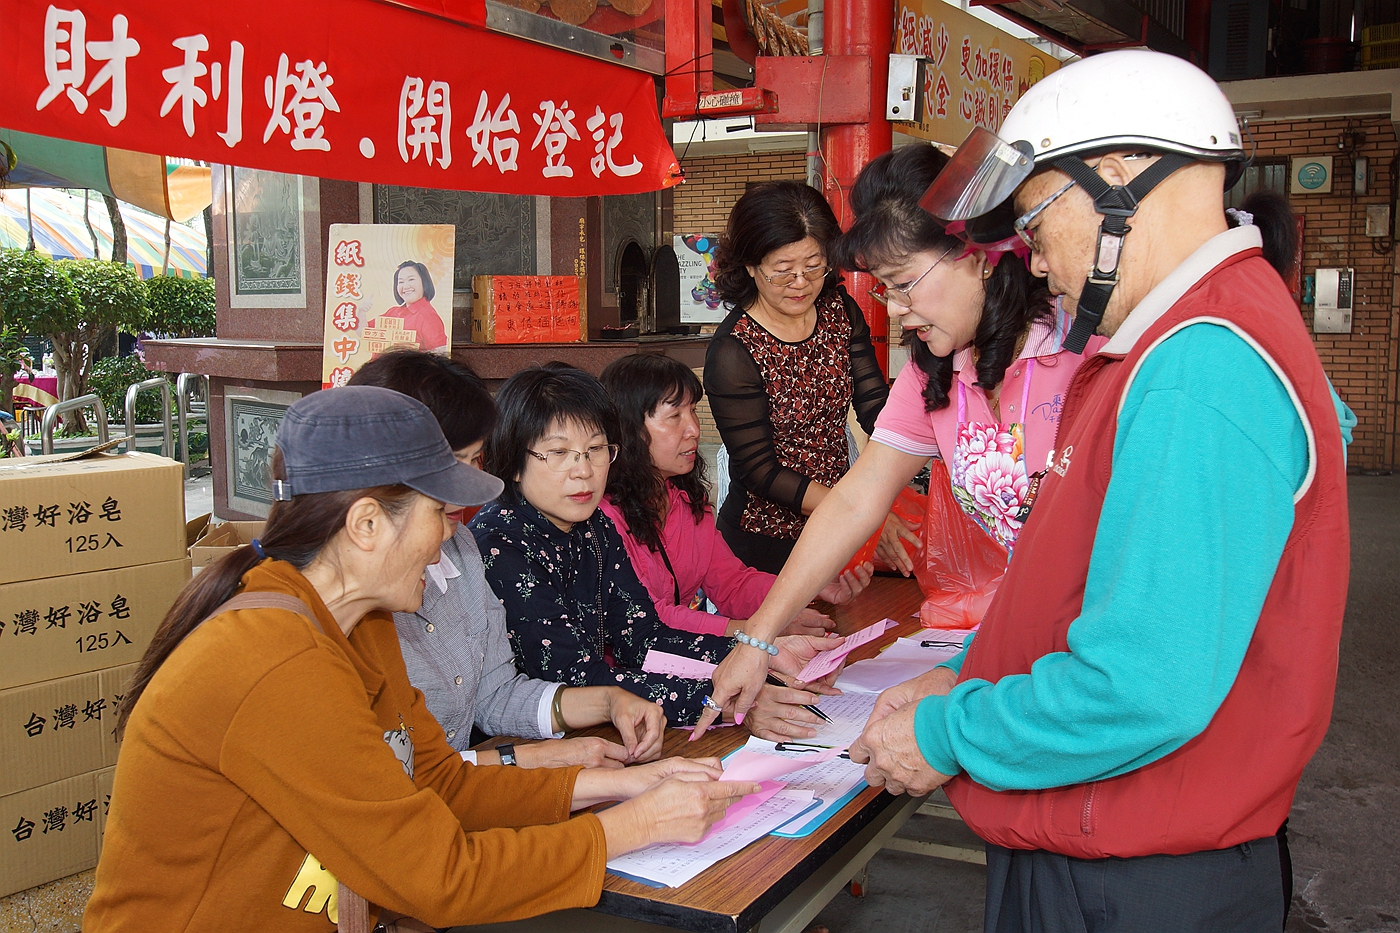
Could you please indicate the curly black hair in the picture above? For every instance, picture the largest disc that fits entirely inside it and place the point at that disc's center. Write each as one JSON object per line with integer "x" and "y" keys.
{"x": 890, "y": 226}
{"x": 639, "y": 384}
{"x": 768, "y": 217}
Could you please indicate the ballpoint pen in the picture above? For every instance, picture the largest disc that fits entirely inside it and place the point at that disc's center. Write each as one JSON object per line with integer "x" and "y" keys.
{"x": 940, "y": 644}
{"x": 807, "y": 706}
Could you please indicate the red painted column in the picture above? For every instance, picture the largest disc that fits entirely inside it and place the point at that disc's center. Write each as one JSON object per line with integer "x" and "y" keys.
{"x": 860, "y": 27}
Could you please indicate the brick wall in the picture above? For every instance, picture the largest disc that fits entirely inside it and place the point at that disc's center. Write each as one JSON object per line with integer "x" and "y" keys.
{"x": 1362, "y": 364}
{"x": 714, "y": 183}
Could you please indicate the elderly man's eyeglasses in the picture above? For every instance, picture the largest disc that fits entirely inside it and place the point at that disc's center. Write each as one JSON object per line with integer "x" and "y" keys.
{"x": 1023, "y": 222}
{"x": 898, "y": 295}
{"x": 1029, "y": 217}
{"x": 784, "y": 279}
{"x": 562, "y": 459}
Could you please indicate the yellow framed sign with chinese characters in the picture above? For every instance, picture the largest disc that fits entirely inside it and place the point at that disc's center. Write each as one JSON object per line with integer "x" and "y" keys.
{"x": 386, "y": 285}
{"x": 974, "y": 75}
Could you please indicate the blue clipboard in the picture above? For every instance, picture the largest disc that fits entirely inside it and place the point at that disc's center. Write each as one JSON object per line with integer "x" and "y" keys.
{"x": 826, "y": 811}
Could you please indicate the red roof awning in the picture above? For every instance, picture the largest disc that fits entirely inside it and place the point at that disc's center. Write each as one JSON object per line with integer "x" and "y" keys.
{"x": 353, "y": 89}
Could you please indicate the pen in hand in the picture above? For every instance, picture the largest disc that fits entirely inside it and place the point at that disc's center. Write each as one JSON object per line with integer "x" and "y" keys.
{"x": 811, "y": 708}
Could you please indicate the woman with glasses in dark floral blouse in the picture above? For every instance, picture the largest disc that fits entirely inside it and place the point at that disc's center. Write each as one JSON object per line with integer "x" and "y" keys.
{"x": 576, "y": 611}
{"x": 793, "y": 356}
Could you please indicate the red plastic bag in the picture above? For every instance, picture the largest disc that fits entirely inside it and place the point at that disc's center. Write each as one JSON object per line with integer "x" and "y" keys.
{"x": 960, "y": 566}
{"x": 908, "y": 505}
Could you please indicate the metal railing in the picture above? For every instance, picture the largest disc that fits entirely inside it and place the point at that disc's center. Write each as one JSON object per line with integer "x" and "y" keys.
{"x": 187, "y": 410}
{"x": 167, "y": 447}
{"x": 74, "y": 404}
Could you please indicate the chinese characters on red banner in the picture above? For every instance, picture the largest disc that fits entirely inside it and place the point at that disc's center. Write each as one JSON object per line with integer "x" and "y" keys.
{"x": 306, "y": 87}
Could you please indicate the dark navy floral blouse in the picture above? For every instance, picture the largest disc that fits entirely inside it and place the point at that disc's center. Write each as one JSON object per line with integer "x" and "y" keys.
{"x": 570, "y": 595}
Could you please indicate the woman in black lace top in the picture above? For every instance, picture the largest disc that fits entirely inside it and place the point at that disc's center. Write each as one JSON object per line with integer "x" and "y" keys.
{"x": 781, "y": 371}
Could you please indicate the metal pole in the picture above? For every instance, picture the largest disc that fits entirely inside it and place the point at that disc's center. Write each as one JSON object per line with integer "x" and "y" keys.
{"x": 182, "y": 410}
{"x": 29, "y": 217}
{"x": 167, "y": 435}
{"x": 815, "y": 37}
{"x": 73, "y": 404}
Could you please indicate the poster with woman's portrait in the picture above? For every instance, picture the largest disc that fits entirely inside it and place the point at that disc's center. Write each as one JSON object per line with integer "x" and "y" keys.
{"x": 386, "y": 284}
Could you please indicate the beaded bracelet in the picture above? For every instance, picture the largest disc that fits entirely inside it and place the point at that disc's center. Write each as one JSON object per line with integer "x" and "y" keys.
{"x": 752, "y": 642}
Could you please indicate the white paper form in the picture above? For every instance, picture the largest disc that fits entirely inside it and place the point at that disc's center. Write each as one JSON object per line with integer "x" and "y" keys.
{"x": 849, "y": 713}
{"x": 940, "y": 643}
{"x": 906, "y": 659}
{"x": 674, "y": 863}
{"x": 827, "y": 661}
{"x": 828, "y": 780}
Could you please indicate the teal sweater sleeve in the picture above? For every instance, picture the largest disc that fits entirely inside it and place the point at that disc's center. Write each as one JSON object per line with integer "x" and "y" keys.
{"x": 1208, "y": 454}
{"x": 1346, "y": 419}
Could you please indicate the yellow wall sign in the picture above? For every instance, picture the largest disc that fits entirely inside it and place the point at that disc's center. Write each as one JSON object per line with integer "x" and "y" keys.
{"x": 975, "y": 73}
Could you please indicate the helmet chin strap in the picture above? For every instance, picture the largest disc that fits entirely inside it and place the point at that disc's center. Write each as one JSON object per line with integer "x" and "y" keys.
{"x": 1116, "y": 203}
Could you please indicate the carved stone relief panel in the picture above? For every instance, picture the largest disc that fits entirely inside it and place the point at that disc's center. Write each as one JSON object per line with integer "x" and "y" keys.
{"x": 495, "y": 232}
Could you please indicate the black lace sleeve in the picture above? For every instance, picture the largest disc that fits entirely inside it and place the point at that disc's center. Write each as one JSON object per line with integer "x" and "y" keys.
{"x": 869, "y": 389}
{"x": 739, "y": 401}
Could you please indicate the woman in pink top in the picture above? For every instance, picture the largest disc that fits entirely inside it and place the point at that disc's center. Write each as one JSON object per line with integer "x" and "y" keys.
{"x": 657, "y": 499}
{"x": 987, "y": 373}
{"x": 983, "y": 391}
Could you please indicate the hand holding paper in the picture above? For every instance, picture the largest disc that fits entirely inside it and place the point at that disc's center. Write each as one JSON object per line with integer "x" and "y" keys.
{"x": 828, "y": 661}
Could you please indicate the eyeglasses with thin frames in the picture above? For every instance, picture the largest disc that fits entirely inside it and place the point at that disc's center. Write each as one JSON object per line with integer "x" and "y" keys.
{"x": 1023, "y": 222}
{"x": 1029, "y": 217}
{"x": 899, "y": 295}
{"x": 559, "y": 461}
{"x": 784, "y": 279}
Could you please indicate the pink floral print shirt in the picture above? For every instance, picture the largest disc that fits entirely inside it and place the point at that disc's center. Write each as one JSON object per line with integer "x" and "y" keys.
{"x": 989, "y": 460}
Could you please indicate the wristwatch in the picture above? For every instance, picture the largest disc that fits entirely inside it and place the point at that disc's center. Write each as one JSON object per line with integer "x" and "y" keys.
{"x": 507, "y": 752}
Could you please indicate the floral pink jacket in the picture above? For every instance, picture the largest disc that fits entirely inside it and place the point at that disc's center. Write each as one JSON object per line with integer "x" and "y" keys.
{"x": 989, "y": 461}
{"x": 701, "y": 559}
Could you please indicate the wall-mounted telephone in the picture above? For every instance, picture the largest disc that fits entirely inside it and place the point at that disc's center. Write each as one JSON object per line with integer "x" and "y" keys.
{"x": 1334, "y": 301}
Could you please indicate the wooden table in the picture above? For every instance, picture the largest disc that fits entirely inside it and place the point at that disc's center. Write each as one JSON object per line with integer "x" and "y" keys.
{"x": 782, "y": 883}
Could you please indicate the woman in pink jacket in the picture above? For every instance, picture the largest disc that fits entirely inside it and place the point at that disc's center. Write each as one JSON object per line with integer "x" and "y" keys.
{"x": 657, "y": 497}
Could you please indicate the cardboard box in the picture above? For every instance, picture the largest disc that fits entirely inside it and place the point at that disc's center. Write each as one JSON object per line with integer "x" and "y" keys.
{"x": 194, "y": 528}
{"x": 218, "y": 540}
{"x": 59, "y": 728}
{"x": 64, "y": 515}
{"x": 49, "y": 832}
{"x": 529, "y": 309}
{"x": 86, "y": 622}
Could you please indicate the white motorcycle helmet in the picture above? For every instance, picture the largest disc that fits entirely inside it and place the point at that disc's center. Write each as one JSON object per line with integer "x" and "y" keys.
{"x": 1132, "y": 99}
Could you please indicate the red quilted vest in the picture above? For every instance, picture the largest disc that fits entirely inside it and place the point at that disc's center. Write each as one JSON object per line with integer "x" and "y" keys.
{"x": 1235, "y": 781}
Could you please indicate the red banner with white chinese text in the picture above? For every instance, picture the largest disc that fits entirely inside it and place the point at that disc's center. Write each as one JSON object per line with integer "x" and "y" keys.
{"x": 352, "y": 89}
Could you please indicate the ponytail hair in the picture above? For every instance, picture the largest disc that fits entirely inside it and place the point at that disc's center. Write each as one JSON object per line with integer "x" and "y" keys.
{"x": 296, "y": 532}
{"x": 1273, "y": 216}
{"x": 890, "y": 226}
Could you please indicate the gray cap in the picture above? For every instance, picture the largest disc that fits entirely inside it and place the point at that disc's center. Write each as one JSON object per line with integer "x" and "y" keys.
{"x": 355, "y": 437}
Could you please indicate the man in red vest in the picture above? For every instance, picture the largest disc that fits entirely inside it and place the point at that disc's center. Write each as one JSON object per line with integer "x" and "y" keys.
{"x": 1128, "y": 727}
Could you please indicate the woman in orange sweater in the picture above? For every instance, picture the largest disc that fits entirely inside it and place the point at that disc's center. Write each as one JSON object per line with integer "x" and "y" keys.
{"x": 276, "y": 757}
